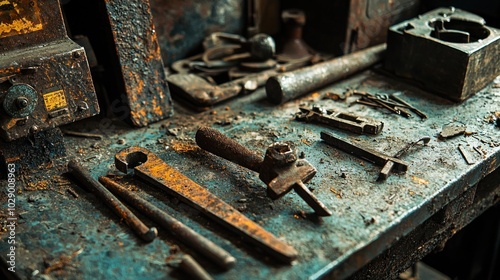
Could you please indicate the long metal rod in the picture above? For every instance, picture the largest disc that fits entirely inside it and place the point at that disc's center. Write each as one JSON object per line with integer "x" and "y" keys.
{"x": 290, "y": 85}
{"x": 83, "y": 176}
{"x": 184, "y": 233}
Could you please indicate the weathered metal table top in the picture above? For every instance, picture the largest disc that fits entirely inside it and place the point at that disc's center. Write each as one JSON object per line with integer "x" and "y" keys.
{"x": 368, "y": 216}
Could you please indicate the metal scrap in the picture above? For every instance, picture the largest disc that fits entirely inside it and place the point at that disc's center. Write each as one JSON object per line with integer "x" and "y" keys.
{"x": 452, "y": 129}
{"x": 445, "y": 44}
{"x": 469, "y": 158}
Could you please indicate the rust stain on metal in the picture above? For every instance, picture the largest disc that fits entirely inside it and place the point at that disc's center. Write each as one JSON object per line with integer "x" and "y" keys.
{"x": 19, "y": 17}
{"x": 153, "y": 169}
{"x": 182, "y": 147}
{"x": 140, "y": 61}
{"x": 419, "y": 181}
{"x": 44, "y": 70}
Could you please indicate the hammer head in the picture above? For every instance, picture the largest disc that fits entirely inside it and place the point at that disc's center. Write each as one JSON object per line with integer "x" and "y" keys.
{"x": 281, "y": 170}
{"x": 131, "y": 157}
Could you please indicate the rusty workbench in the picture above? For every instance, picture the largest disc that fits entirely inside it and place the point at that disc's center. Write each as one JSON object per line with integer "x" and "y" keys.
{"x": 72, "y": 235}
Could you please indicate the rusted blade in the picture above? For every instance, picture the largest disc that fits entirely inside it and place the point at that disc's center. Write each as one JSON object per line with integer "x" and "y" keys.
{"x": 154, "y": 170}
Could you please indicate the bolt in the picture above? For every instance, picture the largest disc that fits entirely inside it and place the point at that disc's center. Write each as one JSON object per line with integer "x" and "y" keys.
{"x": 34, "y": 129}
{"x": 282, "y": 153}
{"x": 82, "y": 106}
{"x": 22, "y": 102}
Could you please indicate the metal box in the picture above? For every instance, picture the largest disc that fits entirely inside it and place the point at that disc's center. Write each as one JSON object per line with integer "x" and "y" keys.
{"x": 447, "y": 51}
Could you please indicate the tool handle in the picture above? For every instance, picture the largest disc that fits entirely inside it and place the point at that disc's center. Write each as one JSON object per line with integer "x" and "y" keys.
{"x": 219, "y": 144}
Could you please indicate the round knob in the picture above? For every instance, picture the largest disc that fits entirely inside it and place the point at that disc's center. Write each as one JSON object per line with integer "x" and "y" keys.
{"x": 20, "y": 100}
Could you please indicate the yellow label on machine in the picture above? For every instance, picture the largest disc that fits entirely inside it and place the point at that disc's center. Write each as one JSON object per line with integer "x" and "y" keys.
{"x": 19, "y": 17}
{"x": 55, "y": 100}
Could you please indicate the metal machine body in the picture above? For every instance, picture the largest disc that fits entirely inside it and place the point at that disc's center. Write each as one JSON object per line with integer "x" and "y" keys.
{"x": 45, "y": 80}
{"x": 45, "y": 77}
{"x": 448, "y": 51}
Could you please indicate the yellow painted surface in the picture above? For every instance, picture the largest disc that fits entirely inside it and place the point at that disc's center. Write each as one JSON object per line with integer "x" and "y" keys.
{"x": 55, "y": 100}
{"x": 19, "y": 17}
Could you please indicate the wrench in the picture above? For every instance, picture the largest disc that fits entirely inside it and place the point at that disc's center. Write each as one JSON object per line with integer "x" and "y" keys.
{"x": 149, "y": 167}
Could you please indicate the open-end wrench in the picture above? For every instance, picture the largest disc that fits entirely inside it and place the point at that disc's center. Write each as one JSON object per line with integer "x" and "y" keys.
{"x": 151, "y": 168}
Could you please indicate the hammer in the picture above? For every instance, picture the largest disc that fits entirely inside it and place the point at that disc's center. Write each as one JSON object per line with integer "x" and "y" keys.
{"x": 280, "y": 169}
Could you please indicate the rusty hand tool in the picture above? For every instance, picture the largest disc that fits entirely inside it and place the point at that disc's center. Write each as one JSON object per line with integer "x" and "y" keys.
{"x": 83, "y": 176}
{"x": 290, "y": 85}
{"x": 386, "y": 169}
{"x": 364, "y": 153}
{"x": 344, "y": 121}
{"x": 196, "y": 241}
{"x": 154, "y": 170}
{"x": 280, "y": 169}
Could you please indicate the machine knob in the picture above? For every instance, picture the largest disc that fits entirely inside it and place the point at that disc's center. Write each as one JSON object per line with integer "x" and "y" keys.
{"x": 20, "y": 100}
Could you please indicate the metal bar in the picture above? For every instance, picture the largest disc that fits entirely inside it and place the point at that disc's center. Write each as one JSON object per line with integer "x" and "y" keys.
{"x": 415, "y": 110}
{"x": 83, "y": 176}
{"x": 193, "y": 268}
{"x": 219, "y": 144}
{"x": 365, "y": 153}
{"x": 184, "y": 233}
{"x": 290, "y": 85}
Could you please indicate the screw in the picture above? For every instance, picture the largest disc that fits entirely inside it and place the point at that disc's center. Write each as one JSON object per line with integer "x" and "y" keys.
{"x": 82, "y": 106}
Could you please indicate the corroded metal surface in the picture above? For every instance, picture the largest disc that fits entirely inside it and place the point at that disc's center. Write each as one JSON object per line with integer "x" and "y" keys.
{"x": 368, "y": 21}
{"x": 45, "y": 77}
{"x": 370, "y": 217}
{"x": 154, "y": 170}
{"x": 342, "y": 27}
{"x": 83, "y": 176}
{"x": 181, "y": 26}
{"x": 447, "y": 51}
{"x": 140, "y": 65}
{"x": 280, "y": 170}
{"x": 288, "y": 86}
{"x": 363, "y": 152}
{"x": 184, "y": 233}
